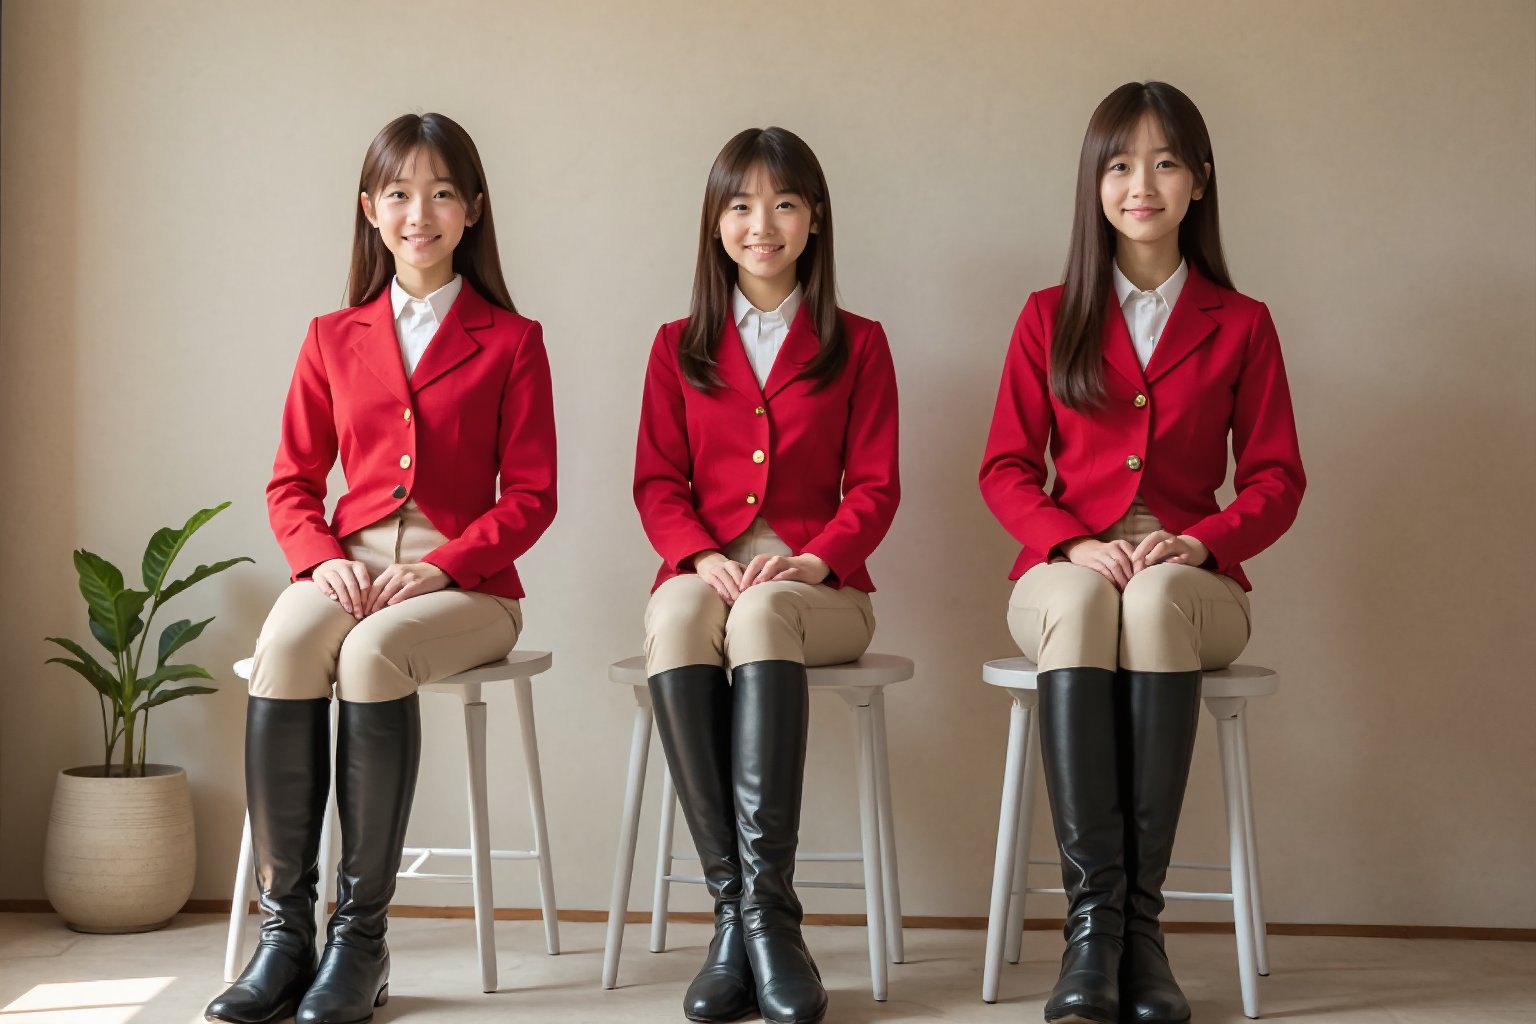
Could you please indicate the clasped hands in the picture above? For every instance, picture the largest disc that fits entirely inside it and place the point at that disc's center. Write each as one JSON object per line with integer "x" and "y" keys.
{"x": 347, "y": 583}
{"x": 729, "y": 578}
{"x": 1117, "y": 561}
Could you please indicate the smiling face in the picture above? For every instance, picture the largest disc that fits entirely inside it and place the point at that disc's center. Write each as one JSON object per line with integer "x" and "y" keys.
{"x": 764, "y": 231}
{"x": 1146, "y": 189}
{"x": 421, "y": 218}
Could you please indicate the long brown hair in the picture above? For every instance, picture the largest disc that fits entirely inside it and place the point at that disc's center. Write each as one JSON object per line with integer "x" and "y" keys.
{"x": 1077, "y": 369}
{"x": 476, "y": 258}
{"x": 792, "y": 167}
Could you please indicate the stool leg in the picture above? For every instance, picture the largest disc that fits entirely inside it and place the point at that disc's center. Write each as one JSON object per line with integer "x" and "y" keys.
{"x": 524, "y": 691}
{"x": 239, "y": 908}
{"x": 895, "y": 946}
{"x": 869, "y": 834}
{"x": 1007, "y": 845}
{"x": 1260, "y": 927}
{"x": 1021, "y": 855}
{"x": 480, "y": 842}
{"x": 629, "y": 825}
{"x": 1242, "y": 900}
{"x": 661, "y": 896}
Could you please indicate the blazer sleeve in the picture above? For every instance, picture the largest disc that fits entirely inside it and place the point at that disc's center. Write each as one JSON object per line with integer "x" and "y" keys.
{"x": 1268, "y": 476}
{"x": 1013, "y": 470}
{"x": 871, "y": 464}
{"x": 526, "y": 506}
{"x": 664, "y": 464}
{"x": 306, "y": 451}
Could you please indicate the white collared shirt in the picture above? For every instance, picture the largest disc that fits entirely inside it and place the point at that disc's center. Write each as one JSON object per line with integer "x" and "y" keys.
{"x": 417, "y": 320}
{"x": 1146, "y": 313}
{"x": 763, "y": 334}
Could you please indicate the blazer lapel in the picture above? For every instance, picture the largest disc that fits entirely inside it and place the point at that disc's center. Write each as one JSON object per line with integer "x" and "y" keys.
{"x": 1189, "y": 325}
{"x": 452, "y": 344}
{"x": 800, "y": 346}
{"x": 731, "y": 362}
{"x": 1118, "y": 350}
{"x": 379, "y": 349}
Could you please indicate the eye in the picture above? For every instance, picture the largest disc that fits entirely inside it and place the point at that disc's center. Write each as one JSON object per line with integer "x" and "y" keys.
{"x": 786, "y": 204}
{"x": 737, "y": 208}
{"x": 443, "y": 193}
{"x": 1118, "y": 167}
{"x": 396, "y": 194}
{"x": 1167, "y": 164}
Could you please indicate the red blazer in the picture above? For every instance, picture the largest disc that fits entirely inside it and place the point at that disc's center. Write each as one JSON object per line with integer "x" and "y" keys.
{"x": 477, "y": 408}
{"x": 1161, "y": 433}
{"x": 820, "y": 466}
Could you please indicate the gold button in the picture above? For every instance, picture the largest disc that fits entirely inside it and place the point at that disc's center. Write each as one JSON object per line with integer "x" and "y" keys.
{"x": 407, "y": 414}
{"x": 758, "y": 456}
{"x": 759, "y": 411}
{"x": 751, "y": 499}
{"x": 1140, "y": 401}
{"x": 1133, "y": 463}
{"x": 405, "y": 462}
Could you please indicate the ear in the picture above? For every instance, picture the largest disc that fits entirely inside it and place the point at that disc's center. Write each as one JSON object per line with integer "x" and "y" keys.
{"x": 1205, "y": 176}
{"x": 474, "y": 211}
{"x": 816, "y": 219}
{"x": 362, "y": 197}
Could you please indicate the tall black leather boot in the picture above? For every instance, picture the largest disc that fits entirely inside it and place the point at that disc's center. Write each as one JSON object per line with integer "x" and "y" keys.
{"x": 693, "y": 718}
{"x": 1077, "y": 745}
{"x": 287, "y": 778}
{"x": 1159, "y": 715}
{"x": 770, "y": 718}
{"x": 378, "y": 749}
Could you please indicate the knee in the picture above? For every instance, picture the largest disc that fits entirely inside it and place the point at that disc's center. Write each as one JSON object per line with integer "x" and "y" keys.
{"x": 763, "y": 613}
{"x": 1084, "y": 597}
{"x": 368, "y": 670}
{"x": 1155, "y": 599}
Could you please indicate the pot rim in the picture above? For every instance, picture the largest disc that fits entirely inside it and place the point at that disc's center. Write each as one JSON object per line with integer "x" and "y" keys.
{"x": 94, "y": 771}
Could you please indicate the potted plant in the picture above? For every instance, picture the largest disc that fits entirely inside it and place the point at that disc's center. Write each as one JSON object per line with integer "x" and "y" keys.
{"x": 121, "y": 854}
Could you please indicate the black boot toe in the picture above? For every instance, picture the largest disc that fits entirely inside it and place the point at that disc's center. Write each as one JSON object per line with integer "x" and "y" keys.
{"x": 267, "y": 990}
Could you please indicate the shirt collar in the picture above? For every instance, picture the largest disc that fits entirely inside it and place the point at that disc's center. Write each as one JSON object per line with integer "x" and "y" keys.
{"x": 440, "y": 301}
{"x": 1168, "y": 291}
{"x": 742, "y": 307}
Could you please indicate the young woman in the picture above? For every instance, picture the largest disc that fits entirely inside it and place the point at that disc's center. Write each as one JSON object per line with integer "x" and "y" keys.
{"x": 1133, "y": 374}
{"x": 431, "y": 388}
{"x": 765, "y": 475}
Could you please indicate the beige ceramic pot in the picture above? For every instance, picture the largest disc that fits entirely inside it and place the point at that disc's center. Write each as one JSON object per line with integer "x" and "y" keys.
{"x": 121, "y": 853}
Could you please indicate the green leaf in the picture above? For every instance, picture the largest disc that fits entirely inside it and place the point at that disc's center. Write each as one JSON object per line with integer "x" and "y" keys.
{"x": 170, "y": 674}
{"x": 103, "y": 681}
{"x": 177, "y": 635}
{"x": 100, "y": 583}
{"x": 167, "y": 543}
{"x": 199, "y": 574}
{"x": 182, "y": 691}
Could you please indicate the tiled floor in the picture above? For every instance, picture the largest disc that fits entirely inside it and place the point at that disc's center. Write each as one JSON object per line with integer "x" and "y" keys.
{"x": 49, "y": 975}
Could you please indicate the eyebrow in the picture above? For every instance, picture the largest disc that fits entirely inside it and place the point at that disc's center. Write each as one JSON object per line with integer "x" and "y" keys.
{"x": 435, "y": 181}
{"x": 753, "y": 195}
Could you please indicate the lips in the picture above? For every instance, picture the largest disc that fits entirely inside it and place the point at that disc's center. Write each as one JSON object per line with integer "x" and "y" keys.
{"x": 421, "y": 241}
{"x": 1144, "y": 212}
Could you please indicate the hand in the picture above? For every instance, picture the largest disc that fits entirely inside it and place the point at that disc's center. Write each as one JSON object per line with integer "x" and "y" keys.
{"x": 806, "y": 568}
{"x": 345, "y": 582}
{"x": 1162, "y": 546}
{"x": 720, "y": 573}
{"x": 1110, "y": 559}
{"x": 405, "y": 580}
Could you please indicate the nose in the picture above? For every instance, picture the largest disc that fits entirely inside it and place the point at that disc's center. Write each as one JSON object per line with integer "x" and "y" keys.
{"x": 758, "y": 223}
{"x": 1141, "y": 182}
{"x": 416, "y": 212}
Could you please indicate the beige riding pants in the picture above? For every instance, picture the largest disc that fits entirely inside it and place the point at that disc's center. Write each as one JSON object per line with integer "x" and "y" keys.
{"x": 687, "y": 623}
{"x": 1169, "y": 618}
{"x": 308, "y": 642}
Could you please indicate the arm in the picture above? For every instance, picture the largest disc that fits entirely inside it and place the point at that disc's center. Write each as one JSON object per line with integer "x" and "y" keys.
{"x": 526, "y": 507}
{"x": 1268, "y": 477}
{"x": 871, "y": 465}
{"x": 1013, "y": 470}
{"x": 664, "y": 465}
{"x": 306, "y": 452}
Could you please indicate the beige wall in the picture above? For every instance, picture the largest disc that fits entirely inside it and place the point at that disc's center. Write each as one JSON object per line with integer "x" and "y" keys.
{"x": 177, "y": 201}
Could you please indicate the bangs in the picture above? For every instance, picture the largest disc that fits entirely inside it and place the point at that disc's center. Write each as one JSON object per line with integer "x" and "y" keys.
{"x": 1117, "y": 119}
{"x": 779, "y": 163}
{"x": 395, "y": 151}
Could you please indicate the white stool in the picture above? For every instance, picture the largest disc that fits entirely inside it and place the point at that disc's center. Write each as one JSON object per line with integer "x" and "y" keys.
{"x": 519, "y": 668}
{"x": 1225, "y": 693}
{"x": 862, "y": 685}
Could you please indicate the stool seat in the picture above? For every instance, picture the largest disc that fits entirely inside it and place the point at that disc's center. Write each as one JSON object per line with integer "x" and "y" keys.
{"x": 861, "y": 685}
{"x": 870, "y": 670}
{"x": 517, "y": 668}
{"x": 1232, "y": 681}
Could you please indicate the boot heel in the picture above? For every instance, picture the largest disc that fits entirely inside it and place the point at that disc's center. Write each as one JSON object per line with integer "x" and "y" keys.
{"x": 382, "y": 997}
